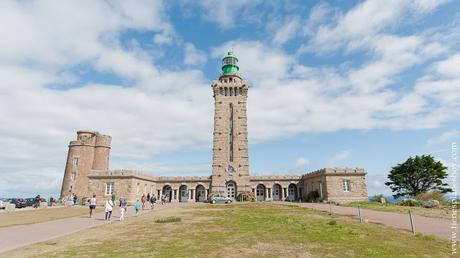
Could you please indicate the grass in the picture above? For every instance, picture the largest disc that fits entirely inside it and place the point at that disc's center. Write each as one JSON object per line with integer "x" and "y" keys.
{"x": 444, "y": 212}
{"x": 239, "y": 230}
{"x": 168, "y": 220}
{"x": 40, "y": 215}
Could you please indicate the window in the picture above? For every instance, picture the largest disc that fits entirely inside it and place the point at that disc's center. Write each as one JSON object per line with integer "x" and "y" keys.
{"x": 75, "y": 161}
{"x": 321, "y": 190}
{"x": 137, "y": 189}
{"x": 73, "y": 176}
{"x": 230, "y": 134}
{"x": 108, "y": 188}
{"x": 346, "y": 186}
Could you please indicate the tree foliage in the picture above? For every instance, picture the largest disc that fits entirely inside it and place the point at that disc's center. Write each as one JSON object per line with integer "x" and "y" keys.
{"x": 418, "y": 175}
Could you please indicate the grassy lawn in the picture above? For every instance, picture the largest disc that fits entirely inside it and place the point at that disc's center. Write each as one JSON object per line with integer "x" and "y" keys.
{"x": 239, "y": 230}
{"x": 443, "y": 212}
{"x": 41, "y": 215}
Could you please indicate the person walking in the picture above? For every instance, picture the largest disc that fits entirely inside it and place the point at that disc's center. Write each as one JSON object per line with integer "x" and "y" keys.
{"x": 108, "y": 209}
{"x": 92, "y": 205}
{"x": 153, "y": 201}
{"x": 75, "y": 199}
{"x": 137, "y": 206}
{"x": 124, "y": 204}
{"x": 143, "y": 201}
{"x": 148, "y": 197}
{"x": 37, "y": 201}
{"x": 122, "y": 213}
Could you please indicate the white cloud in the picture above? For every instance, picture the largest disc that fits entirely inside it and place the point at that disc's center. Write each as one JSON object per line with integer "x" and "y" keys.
{"x": 194, "y": 56}
{"x": 43, "y": 100}
{"x": 286, "y": 31}
{"x": 224, "y": 12}
{"x": 443, "y": 138}
{"x": 364, "y": 21}
{"x": 341, "y": 156}
{"x": 46, "y": 43}
{"x": 301, "y": 162}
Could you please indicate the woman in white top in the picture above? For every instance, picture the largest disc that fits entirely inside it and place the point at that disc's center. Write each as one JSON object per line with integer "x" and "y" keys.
{"x": 92, "y": 205}
{"x": 108, "y": 209}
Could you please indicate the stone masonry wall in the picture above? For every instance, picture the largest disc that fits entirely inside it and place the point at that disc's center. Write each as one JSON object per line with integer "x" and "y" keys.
{"x": 230, "y": 94}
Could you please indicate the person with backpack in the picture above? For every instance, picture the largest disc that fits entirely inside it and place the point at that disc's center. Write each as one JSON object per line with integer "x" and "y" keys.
{"x": 108, "y": 209}
{"x": 153, "y": 200}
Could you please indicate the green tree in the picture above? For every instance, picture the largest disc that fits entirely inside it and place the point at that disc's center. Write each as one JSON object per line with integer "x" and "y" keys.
{"x": 418, "y": 175}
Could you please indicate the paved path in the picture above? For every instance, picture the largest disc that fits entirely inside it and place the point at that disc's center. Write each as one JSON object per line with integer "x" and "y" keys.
{"x": 17, "y": 236}
{"x": 424, "y": 225}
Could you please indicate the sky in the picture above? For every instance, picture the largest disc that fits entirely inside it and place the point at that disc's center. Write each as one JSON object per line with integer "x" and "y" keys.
{"x": 332, "y": 84}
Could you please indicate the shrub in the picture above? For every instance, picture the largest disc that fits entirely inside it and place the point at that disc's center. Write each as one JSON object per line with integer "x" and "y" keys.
{"x": 168, "y": 220}
{"x": 246, "y": 197}
{"x": 430, "y": 204}
{"x": 409, "y": 202}
{"x": 378, "y": 198}
{"x": 312, "y": 196}
{"x": 332, "y": 222}
{"x": 431, "y": 195}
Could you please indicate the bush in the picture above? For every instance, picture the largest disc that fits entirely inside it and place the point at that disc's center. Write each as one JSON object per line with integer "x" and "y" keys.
{"x": 246, "y": 197}
{"x": 312, "y": 196}
{"x": 430, "y": 196}
{"x": 332, "y": 222}
{"x": 430, "y": 204}
{"x": 378, "y": 198}
{"x": 168, "y": 220}
{"x": 409, "y": 202}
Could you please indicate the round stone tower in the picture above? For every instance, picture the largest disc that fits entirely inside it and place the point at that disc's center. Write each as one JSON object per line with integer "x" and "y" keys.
{"x": 102, "y": 152}
{"x": 80, "y": 159}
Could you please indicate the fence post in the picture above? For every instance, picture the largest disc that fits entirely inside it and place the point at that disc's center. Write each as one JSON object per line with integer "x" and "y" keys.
{"x": 359, "y": 214}
{"x": 411, "y": 222}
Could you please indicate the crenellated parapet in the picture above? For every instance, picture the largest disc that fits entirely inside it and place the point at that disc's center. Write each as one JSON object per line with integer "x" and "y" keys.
{"x": 276, "y": 177}
{"x": 335, "y": 171}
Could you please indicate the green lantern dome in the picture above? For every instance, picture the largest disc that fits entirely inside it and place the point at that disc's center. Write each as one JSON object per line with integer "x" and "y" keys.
{"x": 230, "y": 64}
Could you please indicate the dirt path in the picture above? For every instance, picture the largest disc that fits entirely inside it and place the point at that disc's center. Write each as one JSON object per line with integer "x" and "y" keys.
{"x": 424, "y": 225}
{"x": 17, "y": 236}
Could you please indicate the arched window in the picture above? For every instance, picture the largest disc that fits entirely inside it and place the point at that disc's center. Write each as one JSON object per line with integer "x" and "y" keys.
{"x": 226, "y": 91}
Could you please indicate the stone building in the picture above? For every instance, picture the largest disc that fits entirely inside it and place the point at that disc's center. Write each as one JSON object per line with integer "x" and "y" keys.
{"x": 87, "y": 169}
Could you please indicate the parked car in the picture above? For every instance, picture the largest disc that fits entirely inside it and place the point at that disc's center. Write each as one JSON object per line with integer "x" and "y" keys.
{"x": 220, "y": 198}
{"x": 30, "y": 201}
{"x": 18, "y": 202}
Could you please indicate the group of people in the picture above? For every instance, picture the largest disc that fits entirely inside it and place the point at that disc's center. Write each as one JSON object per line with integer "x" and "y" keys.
{"x": 72, "y": 199}
{"x": 123, "y": 204}
{"x": 148, "y": 199}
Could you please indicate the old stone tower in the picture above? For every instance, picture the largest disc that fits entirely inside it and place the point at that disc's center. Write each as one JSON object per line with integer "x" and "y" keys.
{"x": 90, "y": 152}
{"x": 230, "y": 164}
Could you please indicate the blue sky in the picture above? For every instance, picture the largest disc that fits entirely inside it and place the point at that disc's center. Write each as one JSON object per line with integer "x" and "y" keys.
{"x": 337, "y": 83}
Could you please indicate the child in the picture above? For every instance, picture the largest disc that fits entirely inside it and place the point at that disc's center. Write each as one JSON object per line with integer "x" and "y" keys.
{"x": 137, "y": 206}
{"x": 122, "y": 213}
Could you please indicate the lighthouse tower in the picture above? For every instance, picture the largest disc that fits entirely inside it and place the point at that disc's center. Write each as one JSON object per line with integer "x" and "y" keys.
{"x": 230, "y": 164}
